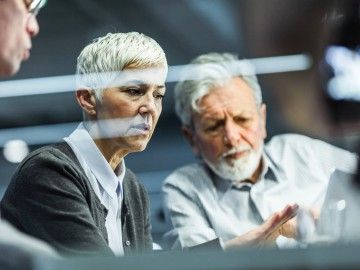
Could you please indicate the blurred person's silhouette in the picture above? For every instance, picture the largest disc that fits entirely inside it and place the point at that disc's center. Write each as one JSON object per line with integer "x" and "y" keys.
{"x": 340, "y": 84}
{"x": 340, "y": 72}
{"x": 324, "y": 100}
{"x": 18, "y": 25}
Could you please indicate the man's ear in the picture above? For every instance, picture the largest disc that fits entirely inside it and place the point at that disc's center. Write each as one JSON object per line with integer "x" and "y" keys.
{"x": 190, "y": 137}
{"x": 87, "y": 101}
{"x": 263, "y": 120}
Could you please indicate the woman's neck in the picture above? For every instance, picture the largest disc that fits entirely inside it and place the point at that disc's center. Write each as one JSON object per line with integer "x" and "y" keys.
{"x": 112, "y": 154}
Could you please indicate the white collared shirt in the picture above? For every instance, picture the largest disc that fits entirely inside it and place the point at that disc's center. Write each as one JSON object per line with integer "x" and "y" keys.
{"x": 107, "y": 184}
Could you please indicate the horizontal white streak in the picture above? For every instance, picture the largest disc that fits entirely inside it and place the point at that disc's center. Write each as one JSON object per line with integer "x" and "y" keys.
{"x": 43, "y": 134}
{"x": 279, "y": 64}
{"x": 37, "y": 86}
{"x": 66, "y": 83}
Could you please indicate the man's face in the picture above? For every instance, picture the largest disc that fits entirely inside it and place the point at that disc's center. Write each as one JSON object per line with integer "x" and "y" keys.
{"x": 133, "y": 110}
{"x": 229, "y": 130}
{"x": 17, "y": 28}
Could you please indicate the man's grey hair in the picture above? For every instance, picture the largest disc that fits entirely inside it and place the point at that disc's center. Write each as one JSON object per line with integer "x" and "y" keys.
{"x": 99, "y": 63}
{"x": 206, "y": 72}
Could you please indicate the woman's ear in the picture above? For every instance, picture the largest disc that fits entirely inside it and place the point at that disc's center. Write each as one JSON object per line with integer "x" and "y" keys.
{"x": 87, "y": 100}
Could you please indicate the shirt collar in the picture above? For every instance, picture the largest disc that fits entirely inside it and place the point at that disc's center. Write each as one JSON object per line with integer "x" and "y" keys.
{"x": 272, "y": 169}
{"x": 269, "y": 169}
{"x": 111, "y": 182}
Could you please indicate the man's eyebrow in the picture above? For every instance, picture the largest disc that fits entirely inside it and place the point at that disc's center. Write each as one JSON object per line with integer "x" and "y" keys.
{"x": 211, "y": 119}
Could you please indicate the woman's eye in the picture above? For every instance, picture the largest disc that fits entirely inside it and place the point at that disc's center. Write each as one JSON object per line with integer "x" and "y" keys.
{"x": 159, "y": 96}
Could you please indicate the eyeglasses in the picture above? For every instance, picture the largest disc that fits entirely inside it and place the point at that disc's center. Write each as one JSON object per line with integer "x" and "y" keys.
{"x": 35, "y": 6}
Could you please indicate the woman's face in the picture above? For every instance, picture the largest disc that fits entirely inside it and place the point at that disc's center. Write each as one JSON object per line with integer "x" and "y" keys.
{"x": 129, "y": 112}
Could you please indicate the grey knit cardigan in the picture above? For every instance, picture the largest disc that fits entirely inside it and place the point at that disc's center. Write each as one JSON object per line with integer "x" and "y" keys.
{"x": 50, "y": 198}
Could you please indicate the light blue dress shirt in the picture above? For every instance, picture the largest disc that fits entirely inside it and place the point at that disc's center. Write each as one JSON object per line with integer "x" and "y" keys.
{"x": 107, "y": 184}
{"x": 202, "y": 206}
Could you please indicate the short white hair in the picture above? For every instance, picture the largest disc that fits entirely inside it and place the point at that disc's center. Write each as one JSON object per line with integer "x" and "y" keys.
{"x": 99, "y": 62}
{"x": 211, "y": 70}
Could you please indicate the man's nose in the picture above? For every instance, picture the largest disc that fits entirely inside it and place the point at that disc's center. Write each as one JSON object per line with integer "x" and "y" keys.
{"x": 32, "y": 25}
{"x": 232, "y": 134}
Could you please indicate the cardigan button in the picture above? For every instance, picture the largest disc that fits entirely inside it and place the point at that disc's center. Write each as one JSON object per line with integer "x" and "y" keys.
{"x": 127, "y": 242}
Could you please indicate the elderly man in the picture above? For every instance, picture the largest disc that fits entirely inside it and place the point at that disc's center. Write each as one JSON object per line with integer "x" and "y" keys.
{"x": 18, "y": 25}
{"x": 78, "y": 195}
{"x": 239, "y": 181}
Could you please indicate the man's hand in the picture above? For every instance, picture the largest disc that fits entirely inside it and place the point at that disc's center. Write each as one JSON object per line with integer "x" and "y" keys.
{"x": 267, "y": 232}
{"x": 290, "y": 228}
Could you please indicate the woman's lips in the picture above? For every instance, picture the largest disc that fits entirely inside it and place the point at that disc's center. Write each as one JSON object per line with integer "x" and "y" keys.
{"x": 141, "y": 129}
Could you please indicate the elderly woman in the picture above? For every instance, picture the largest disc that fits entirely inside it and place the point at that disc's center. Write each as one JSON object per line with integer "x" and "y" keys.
{"x": 78, "y": 195}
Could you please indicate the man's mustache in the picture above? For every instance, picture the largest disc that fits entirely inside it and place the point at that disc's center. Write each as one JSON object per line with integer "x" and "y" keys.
{"x": 237, "y": 149}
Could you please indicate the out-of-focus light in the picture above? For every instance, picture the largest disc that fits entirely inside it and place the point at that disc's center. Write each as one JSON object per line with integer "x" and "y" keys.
{"x": 15, "y": 150}
{"x": 344, "y": 88}
{"x": 345, "y": 85}
{"x": 341, "y": 205}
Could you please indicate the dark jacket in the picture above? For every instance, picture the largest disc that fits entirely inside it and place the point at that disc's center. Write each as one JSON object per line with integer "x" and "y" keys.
{"x": 51, "y": 198}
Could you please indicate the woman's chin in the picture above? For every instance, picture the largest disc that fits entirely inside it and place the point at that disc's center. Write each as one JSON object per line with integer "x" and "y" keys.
{"x": 138, "y": 147}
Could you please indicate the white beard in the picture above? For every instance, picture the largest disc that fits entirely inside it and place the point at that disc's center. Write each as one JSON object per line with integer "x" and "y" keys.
{"x": 241, "y": 169}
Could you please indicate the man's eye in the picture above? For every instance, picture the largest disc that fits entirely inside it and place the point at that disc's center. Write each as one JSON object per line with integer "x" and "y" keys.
{"x": 212, "y": 128}
{"x": 134, "y": 91}
{"x": 240, "y": 119}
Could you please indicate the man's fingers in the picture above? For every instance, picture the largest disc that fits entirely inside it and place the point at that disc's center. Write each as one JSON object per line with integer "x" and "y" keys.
{"x": 289, "y": 212}
{"x": 270, "y": 224}
{"x": 274, "y": 223}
